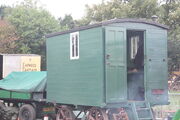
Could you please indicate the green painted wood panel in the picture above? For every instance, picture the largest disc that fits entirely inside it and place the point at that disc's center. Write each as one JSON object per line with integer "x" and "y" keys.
{"x": 5, "y": 94}
{"x": 18, "y": 95}
{"x": 116, "y": 73}
{"x": 155, "y": 71}
{"x": 91, "y": 80}
{"x": 81, "y": 81}
{"x": 14, "y": 95}
{"x": 156, "y": 65}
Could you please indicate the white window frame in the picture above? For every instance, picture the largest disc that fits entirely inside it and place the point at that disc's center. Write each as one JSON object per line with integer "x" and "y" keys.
{"x": 74, "y": 45}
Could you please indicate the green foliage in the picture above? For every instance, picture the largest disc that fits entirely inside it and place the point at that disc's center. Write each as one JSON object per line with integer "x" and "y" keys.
{"x": 7, "y": 37}
{"x": 32, "y": 23}
{"x": 7, "y": 34}
{"x": 109, "y": 10}
{"x": 121, "y": 9}
{"x": 67, "y": 22}
{"x": 82, "y": 22}
{"x": 143, "y": 8}
{"x": 170, "y": 15}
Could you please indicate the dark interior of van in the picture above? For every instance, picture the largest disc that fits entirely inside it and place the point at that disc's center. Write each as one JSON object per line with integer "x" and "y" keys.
{"x": 135, "y": 65}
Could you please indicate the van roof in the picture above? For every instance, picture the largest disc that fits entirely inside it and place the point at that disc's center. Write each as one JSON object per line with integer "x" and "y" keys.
{"x": 112, "y": 21}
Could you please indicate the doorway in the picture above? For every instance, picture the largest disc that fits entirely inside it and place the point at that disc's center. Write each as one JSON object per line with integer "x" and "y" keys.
{"x": 135, "y": 65}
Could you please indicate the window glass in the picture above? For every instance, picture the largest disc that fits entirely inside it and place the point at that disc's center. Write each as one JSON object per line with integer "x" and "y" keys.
{"x": 134, "y": 46}
{"x": 74, "y": 45}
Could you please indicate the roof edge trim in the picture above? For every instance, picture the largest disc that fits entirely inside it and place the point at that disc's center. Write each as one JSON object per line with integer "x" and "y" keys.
{"x": 106, "y": 23}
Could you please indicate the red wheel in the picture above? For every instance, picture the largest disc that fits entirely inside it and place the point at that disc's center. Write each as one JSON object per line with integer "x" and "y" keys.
{"x": 119, "y": 114}
{"x": 65, "y": 113}
{"x": 97, "y": 114}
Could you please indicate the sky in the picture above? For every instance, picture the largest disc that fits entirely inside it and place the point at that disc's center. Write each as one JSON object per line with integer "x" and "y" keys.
{"x": 59, "y": 8}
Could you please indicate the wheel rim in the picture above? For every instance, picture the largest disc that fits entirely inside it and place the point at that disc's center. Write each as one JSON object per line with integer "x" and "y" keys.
{"x": 119, "y": 114}
{"x": 65, "y": 113}
{"x": 26, "y": 114}
{"x": 97, "y": 114}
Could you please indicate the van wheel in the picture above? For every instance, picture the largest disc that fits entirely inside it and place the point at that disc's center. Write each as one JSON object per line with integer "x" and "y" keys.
{"x": 118, "y": 114}
{"x": 96, "y": 113}
{"x": 27, "y": 112}
{"x": 65, "y": 113}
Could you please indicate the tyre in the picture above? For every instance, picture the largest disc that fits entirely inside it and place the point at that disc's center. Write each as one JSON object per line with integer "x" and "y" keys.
{"x": 7, "y": 113}
{"x": 2, "y": 110}
{"x": 27, "y": 112}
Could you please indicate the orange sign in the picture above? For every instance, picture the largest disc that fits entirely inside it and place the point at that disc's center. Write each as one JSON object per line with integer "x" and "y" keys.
{"x": 30, "y": 63}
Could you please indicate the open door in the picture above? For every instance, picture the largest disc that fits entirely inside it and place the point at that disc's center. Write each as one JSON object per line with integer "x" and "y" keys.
{"x": 116, "y": 68}
{"x": 135, "y": 65}
{"x": 156, "y": 66}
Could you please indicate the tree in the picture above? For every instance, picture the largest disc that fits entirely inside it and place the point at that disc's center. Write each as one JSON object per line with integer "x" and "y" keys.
{"x": 7, "y": 34}
{"x": 32, "y": 23}
{"x": 143, "y": 8}
{"x": 7, "y": 37}
{"x": 105, "y": 11}
{"x": 174, "y": 45}
{"x": 120, "y": 9}
{"x": 67, "y": 22}
{"x": 170, "y": 15}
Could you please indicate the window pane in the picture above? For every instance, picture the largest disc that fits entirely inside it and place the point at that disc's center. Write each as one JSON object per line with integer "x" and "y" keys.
{"x": 74, "y": 45}
{"x": 134, "y": 46}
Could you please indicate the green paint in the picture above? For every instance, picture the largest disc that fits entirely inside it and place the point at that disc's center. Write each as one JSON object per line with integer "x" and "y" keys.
{"x": 116, "y": 73}
{"x": 14, "y": 95}
{"x": 177, "y": 115}
{"x": 18, "y": 95}
{"x": 96, "y": 79}
{"x": 4, "y": 94}
{"x": 156, "y": 65}
{"x": 80, "y": 81}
